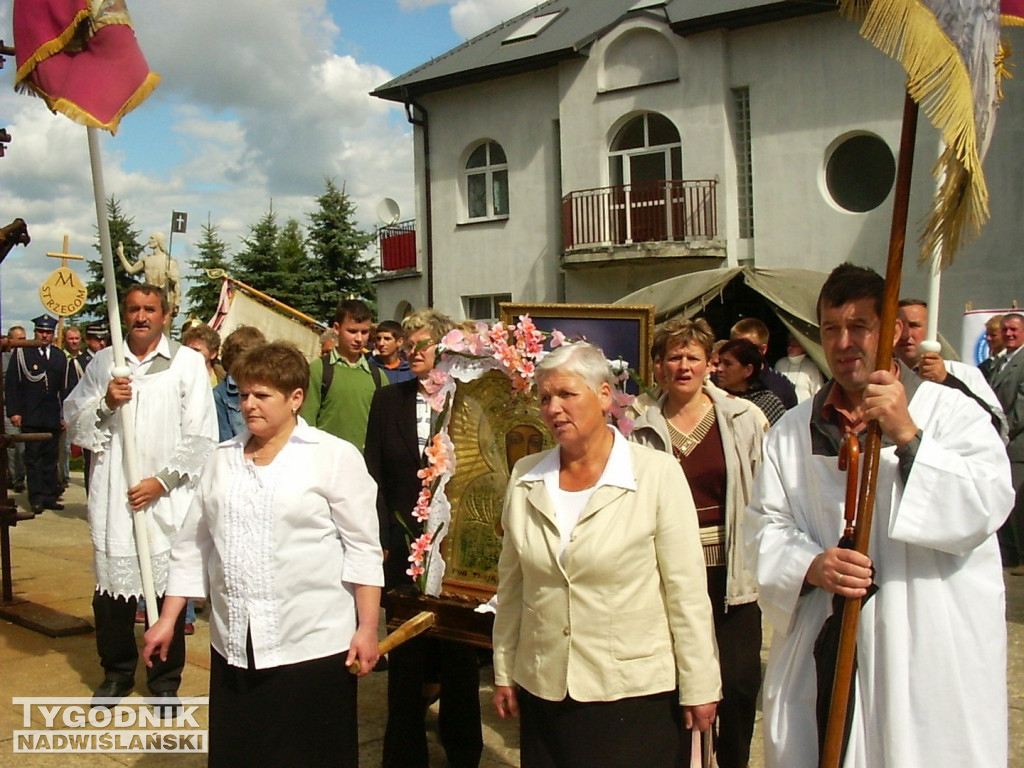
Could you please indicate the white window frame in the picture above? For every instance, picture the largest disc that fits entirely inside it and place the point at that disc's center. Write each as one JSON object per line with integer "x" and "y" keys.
{"x": 488, "y": 171}
{"x": 494, "y": 299}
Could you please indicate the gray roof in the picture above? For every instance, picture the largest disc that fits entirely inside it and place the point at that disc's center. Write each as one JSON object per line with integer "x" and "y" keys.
{"x": 579, "y": 22}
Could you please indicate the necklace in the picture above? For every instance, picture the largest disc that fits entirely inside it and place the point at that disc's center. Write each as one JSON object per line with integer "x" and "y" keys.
{"x": 268, "y": 457}
{"x": 685, "y": 442}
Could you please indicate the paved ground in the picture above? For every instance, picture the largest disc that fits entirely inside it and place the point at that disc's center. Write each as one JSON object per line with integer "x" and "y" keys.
{"x": 52, "y": 567}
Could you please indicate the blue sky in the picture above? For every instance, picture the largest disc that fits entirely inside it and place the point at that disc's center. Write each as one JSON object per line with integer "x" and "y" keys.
{"x": 260, "y": 101}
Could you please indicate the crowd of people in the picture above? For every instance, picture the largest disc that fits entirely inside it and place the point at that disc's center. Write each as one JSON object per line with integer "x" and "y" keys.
{"x": 635, "y": 570}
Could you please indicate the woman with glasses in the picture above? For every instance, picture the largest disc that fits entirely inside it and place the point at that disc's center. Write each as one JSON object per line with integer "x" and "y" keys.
{"x": 400, "y": 425}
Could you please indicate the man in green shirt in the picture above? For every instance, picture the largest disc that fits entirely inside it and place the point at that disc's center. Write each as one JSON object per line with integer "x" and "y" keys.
{"x": 342, "y": 382}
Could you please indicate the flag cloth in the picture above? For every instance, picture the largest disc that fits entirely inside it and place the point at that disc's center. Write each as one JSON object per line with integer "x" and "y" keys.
{"x": 179, "y": 222}
{"x": 82, "y": 58}
{"x": 951, "y": 53}
{"x": 1012, "y": 13}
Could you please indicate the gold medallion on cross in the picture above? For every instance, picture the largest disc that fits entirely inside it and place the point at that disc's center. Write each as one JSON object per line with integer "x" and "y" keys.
{"x": 63, "y": 293}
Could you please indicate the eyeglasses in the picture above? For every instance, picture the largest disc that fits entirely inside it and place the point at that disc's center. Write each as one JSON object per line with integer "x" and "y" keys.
{"x": 410, "y": 348}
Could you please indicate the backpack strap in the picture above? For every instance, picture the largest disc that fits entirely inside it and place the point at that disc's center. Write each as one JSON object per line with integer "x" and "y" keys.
{"x": 375, "y": 373}
{"x": 328, "y": 377}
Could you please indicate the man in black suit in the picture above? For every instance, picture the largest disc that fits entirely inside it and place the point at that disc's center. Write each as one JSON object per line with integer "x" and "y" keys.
{"x": 1008, "y": 384}
{"x": 994, "y": 337}
{"x": 400, "y": 425}
{"x": 35, "y": 389}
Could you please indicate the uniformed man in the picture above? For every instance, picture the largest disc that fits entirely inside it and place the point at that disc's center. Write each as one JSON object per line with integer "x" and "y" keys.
{"x": 35, "y": 388}
{"x": 97, "y": 337}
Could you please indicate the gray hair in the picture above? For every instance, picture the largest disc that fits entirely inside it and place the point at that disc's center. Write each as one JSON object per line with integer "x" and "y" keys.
{"x": 580, "y": 359}
{"x": 437, "y": 324}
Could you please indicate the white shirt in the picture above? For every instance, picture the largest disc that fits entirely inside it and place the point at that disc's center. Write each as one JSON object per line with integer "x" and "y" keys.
{"x": 280, "y": 549}
{"x": 618, "y": 471}
{"x": 803, "y": 373}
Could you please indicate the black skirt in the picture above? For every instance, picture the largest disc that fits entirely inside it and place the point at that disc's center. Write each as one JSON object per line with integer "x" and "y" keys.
{"x": 296, "y": 715}
{"x": 638, "y": 732}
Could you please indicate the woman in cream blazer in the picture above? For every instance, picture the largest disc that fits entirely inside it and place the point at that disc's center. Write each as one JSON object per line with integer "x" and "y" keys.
{"x": 604, "y": 626}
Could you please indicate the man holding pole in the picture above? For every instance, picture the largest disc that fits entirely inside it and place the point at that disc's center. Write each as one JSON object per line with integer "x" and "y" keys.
{"x": 177, "y": 425}
{"x": 930, "y": 681}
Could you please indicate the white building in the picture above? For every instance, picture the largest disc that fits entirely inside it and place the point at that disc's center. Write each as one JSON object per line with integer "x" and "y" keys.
{"x": 588, "y": 148}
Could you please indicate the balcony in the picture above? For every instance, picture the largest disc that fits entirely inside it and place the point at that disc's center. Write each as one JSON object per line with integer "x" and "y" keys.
{"x": 397, "y": 246}
{"x": 648, "y": 212}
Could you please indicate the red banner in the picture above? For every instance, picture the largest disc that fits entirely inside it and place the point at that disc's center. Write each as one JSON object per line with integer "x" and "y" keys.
{"x": 88, "y": 66}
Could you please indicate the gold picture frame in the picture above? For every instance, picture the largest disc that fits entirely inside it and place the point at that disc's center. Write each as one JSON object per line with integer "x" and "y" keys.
{"x": 492, "y": 426}
{"x": 621, "y": 330}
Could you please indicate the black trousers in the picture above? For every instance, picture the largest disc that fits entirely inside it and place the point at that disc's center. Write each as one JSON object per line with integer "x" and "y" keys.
{"x": 119, "y": 650}
{"x": 738, "y": 634}
{"x": 426, "y": 659}
{"x": 41, "y": 468}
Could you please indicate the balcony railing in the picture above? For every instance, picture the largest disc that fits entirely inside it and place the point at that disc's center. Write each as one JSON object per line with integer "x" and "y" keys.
{"x": 638, "y": 213}
{"x": 397, "y": 246}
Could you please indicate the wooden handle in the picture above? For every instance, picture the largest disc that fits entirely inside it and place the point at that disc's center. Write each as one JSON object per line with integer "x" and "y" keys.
{"x": 418, "y": 624}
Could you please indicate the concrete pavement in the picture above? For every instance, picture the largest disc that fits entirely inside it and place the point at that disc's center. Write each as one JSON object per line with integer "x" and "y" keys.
{"x": 52, "y": 566}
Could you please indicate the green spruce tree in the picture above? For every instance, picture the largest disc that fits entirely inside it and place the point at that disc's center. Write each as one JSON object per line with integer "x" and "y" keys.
{"x": 121, "y": 231}
{"x": 204, "y": 294}
{"x": 259, "y": 263}
{"x": 294, "y": 263}
{"x": 338, "y": 269}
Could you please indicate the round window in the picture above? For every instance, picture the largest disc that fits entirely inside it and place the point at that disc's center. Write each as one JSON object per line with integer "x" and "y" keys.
{"x": 860, "y": 172}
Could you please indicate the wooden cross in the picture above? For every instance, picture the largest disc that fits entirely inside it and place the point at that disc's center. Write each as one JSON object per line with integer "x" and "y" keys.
{"x": 64, "y": 255}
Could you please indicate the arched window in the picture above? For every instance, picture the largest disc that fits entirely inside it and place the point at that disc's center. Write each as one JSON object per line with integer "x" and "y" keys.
{"x": 487, "y": 182}
{"x": 646, "y": 149}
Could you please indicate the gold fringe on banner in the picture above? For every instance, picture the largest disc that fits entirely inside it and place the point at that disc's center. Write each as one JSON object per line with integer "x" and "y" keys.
{"x": 51, "y": 47}
{"x": 939, "y": 81}
{"x": 75, "y": 113}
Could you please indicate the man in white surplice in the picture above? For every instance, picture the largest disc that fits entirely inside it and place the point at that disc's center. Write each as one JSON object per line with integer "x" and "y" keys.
{"x": 931, "y": 645}
{"x": 176, "y": 428}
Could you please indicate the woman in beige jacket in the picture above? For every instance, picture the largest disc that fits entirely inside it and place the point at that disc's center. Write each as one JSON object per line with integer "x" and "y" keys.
{"x": 604, "y": 626}
{"x": 716, "y": 438}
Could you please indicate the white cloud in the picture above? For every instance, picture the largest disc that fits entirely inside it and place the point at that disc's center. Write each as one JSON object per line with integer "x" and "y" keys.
{"x": 471, "y": 17}
{"x": 257, "y": 106}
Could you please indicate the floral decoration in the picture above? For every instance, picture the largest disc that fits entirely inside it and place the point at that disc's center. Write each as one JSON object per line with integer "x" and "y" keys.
{"x": 465, "y": 356}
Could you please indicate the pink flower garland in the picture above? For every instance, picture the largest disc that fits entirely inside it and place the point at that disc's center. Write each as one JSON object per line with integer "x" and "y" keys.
{"x": 517, "y": 350}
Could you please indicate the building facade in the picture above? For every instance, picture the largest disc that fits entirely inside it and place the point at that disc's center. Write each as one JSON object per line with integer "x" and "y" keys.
{"x": 588, "y": 148}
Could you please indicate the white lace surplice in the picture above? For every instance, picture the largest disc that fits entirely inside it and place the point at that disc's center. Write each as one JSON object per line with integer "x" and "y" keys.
{"x": 176, "y": 428}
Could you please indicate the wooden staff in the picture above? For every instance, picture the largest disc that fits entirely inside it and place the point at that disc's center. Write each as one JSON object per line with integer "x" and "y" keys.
{"x": 126, "y": 413}
{"x": 418, "y": 624}
{"x": 832, "y": 751}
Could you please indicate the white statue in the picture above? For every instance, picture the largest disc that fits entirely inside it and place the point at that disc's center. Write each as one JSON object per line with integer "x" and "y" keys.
{"x": 160, "y": 269}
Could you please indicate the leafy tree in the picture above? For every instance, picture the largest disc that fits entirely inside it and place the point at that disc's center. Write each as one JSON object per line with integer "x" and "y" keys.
{"x": 337, "y": 267}
{"x": 121, "y": 231}
{"x": 203, "y": 295}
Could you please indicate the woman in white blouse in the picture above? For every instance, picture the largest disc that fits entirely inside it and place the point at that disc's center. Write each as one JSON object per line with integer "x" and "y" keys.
{"x": 283, "y": 538}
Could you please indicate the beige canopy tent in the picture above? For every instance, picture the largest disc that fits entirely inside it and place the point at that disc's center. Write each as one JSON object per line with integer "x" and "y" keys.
{"x": 792, "y": 294}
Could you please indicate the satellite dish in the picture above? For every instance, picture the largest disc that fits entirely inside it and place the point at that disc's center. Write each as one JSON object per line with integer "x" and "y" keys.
{"x": 388, "y": 211}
